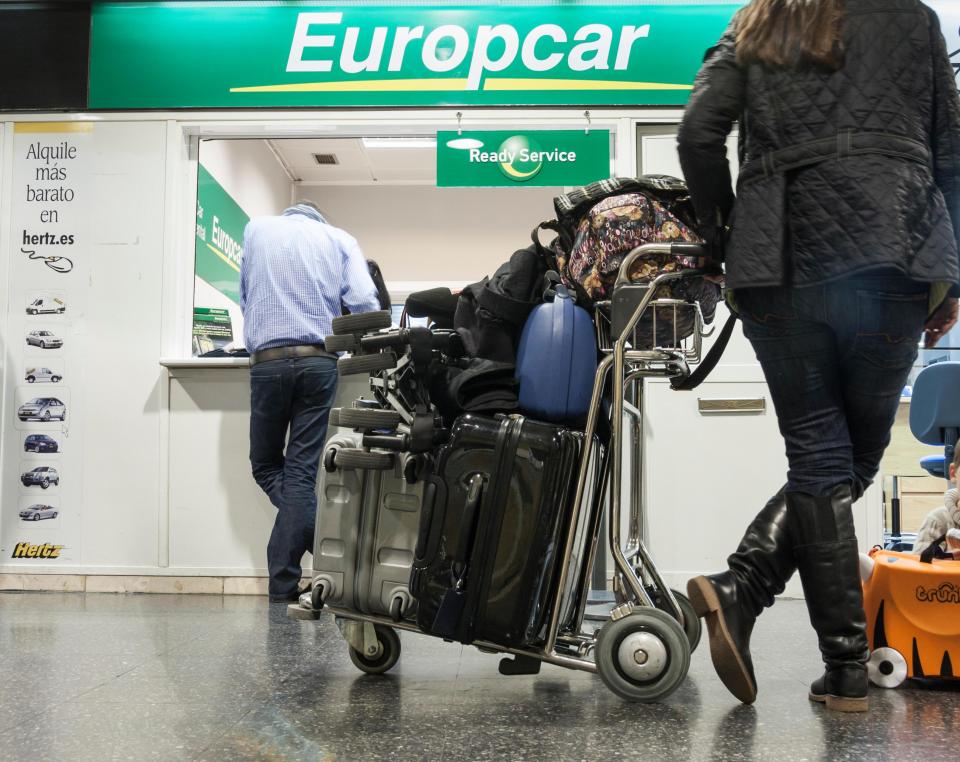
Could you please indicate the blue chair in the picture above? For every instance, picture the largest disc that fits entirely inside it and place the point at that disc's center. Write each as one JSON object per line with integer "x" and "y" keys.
{"x": 935, "y": 413}
{"x": 935, "y": 465}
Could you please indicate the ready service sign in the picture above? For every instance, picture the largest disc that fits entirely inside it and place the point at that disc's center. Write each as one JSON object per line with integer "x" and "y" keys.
{"x": 288, "y": 54}
{"x": 500, "y": 158}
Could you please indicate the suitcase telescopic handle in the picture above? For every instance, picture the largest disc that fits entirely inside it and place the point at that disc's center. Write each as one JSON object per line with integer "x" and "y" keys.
{"x": 471, "y": 509}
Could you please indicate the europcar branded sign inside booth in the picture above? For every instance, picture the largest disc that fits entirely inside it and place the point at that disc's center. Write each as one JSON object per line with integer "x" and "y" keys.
{"x": 239, "y": 55}
{"x": 495, "y": 158}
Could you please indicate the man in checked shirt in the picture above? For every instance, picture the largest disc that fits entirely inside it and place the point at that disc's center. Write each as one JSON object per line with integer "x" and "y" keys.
{"x": 297, "y": 271}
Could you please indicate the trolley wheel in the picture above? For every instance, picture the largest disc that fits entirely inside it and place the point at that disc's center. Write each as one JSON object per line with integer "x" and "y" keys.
{"x": 361, "y": 322}
{"x": 692, "y": 626}
{"x": 887, "y": 668}
{"x": 352, "y": 366}
{"x": 644, "y": 656}
{"x": 359, "y": 418}
{"x": 365, "y": 460}
{"x": 388, "y": 651}
{"x": 334, "y": 343}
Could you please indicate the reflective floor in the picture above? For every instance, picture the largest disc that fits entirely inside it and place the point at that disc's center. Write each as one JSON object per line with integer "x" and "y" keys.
{"x": 102, "y": 677}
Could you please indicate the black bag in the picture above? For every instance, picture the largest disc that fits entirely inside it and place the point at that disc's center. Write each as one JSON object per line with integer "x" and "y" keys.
{"x": 495, "y": 512}
{"x": 490, "y": 314}
{"x": 474, "y": 386}
{"x": 383, "y": 294}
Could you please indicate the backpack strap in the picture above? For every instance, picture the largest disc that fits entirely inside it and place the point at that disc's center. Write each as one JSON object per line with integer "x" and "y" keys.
{"x": 933, "y": 550}
{"x": 513, "y": 311}
{"x": 709, "y": 362}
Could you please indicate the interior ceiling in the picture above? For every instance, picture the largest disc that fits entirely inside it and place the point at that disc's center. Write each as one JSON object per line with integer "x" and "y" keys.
{"x": 356, "y": 164}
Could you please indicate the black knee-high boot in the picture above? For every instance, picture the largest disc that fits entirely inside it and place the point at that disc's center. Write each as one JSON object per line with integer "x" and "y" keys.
{"x": 731, "y": 601}
{"x": 828, "y": 560}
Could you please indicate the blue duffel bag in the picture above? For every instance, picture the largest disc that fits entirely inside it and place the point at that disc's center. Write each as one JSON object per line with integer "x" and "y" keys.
{"x": 557, "y": 361}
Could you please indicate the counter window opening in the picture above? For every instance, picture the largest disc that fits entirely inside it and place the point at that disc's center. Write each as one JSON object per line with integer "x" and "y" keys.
{"x": 383, "y": 190}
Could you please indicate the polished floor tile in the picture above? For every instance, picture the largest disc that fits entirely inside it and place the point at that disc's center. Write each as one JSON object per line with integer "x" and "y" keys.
{"x": 118, "y": 677}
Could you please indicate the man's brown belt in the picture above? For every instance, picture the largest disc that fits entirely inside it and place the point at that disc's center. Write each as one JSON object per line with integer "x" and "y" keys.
{"x": 290, "y": 352}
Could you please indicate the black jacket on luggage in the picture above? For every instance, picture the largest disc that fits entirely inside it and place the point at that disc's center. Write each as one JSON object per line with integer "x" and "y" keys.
{"x": 841, "y": 171}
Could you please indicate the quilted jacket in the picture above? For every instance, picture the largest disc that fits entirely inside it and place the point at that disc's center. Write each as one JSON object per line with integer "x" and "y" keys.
{"x": 841, "y": 171}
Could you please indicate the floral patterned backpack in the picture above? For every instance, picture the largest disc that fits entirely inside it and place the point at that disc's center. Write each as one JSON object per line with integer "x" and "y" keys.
{"x": 599, "y": 225}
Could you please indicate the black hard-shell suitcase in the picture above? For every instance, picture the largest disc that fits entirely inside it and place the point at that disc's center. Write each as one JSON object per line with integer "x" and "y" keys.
{"x": 492, "y": 528}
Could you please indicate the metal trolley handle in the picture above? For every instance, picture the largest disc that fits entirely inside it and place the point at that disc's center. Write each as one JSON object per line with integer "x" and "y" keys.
{"x": 623, "y": 278}
{"x": 698, "y": 250}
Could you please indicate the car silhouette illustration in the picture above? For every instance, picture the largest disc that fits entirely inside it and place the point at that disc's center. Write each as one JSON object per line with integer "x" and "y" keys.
{"x": 40, "y": 443}
{"x": 43, "y": 409}
{"x": 45, "y": 306}
{"x": 37, "y": 512}
{"x": 44, "y": 340}
{"x": 41, "y": 374}
{"x": 41, "y": 476}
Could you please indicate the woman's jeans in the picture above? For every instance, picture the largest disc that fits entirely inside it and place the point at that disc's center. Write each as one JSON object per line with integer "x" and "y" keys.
{"x": 289, "y": 406}
{"x": 836, "y": 358}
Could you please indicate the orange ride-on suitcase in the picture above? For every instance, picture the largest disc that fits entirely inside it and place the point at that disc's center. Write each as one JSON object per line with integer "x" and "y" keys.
{"x": 913, "y": 617}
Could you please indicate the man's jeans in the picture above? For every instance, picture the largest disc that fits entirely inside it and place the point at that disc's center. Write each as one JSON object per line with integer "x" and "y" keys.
{"x": 290, "y": 396}
{"x": 836, "y": 358}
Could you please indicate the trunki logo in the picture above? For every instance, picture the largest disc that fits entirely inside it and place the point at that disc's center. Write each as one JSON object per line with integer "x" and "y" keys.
{"x": 26, "y": 550}
{"x": 945, "y": 593}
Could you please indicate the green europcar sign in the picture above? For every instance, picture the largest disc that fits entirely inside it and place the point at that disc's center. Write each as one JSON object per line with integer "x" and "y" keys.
{"x": 498, "y": 158}
{"x": 292, "y": 54}
{"x": 219, "y": 236}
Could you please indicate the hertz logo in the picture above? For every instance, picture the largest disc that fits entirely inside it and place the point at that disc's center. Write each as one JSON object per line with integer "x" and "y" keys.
{"x": 26, "y": 550}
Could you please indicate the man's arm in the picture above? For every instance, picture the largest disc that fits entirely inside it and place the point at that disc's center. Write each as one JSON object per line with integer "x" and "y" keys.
{"x": 359, "y": 292}
{"x": 715, "y": 104}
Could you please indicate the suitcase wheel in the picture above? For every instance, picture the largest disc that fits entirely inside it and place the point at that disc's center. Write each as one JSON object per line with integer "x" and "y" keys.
{"x": 330, "y": 460}
{"x": 363, "y": 459}
{"x": 345, "y": 343}
{"x": 361, "y": 322}
{"x": 365, "y": 364}
{"x": 643, "y": 656}
{"x": 384, "y": 656}
{"x": 367, "y": 419}
{"x": 887, "y": 668}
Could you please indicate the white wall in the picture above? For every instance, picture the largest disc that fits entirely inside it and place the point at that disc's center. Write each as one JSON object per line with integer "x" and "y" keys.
{"x": 249, "y": 172}
{"x": 418, "y": 233}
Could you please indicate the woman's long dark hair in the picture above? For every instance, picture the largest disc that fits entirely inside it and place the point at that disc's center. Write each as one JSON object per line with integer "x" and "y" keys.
{"x": 790, "y": 33}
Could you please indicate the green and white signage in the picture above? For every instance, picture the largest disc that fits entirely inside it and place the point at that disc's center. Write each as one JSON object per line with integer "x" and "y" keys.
{"x": 219, "y": 238}
{"x": 282, "y": 54}
{"x": 539, "y": 157}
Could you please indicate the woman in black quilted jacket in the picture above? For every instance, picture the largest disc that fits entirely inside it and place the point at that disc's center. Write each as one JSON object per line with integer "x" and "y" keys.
{"x": 840, "y": 250}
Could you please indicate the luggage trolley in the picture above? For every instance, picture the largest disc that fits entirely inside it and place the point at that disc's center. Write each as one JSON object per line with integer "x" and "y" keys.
{"x": 642, "y": 652}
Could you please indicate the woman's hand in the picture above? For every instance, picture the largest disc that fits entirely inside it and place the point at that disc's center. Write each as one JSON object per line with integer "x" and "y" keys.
{"x": 941, "y": 322}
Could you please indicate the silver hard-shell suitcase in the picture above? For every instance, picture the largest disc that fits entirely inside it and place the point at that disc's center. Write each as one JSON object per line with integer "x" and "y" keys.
{"x": 366, "y": 532}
